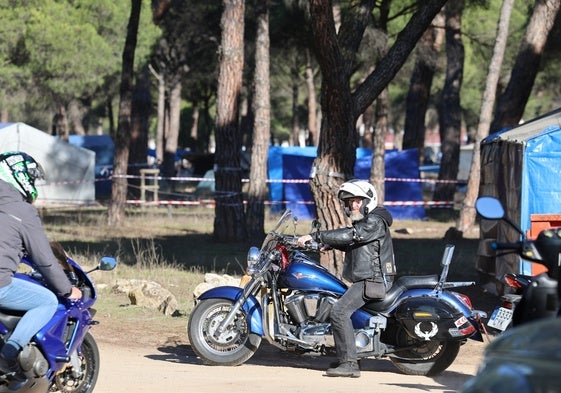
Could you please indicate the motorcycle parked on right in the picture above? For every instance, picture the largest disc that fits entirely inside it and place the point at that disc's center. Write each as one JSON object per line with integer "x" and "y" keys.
{"x": 533, "y": 297}
{"x": 526, "y": 357}
{"x": 515, "y": 308}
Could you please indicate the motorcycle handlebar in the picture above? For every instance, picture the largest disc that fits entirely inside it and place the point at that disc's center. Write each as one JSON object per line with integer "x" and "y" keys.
{"x": 312, "y": 245}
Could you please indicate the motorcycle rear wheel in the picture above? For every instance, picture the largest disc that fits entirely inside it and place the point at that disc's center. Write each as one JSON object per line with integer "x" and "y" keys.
{"x": 427, "y": 358}
{"x": 232, "y": 347}
{"x": 65, "y": 382}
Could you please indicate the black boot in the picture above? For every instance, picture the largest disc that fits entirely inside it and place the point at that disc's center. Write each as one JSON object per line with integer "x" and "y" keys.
{"x": 344, "y": 369}
{"x": 10, "y": 370}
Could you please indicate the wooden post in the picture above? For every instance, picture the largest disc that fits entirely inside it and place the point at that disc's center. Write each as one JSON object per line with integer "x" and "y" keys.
{"x": 153, "y": 174}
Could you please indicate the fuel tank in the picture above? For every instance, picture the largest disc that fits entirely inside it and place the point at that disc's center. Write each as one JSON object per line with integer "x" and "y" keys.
{"x": 305, "y": 274}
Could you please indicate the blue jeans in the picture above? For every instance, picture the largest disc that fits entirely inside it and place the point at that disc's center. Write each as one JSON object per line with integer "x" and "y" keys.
{"x": 341, "y": 323}
{"x": 39, "y": 303}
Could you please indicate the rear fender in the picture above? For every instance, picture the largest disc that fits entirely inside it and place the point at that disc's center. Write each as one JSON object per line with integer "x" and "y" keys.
{"x": 251, "y": 306}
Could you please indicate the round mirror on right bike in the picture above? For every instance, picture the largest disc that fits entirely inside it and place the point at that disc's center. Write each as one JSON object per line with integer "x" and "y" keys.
{"x": 490, "y": 208}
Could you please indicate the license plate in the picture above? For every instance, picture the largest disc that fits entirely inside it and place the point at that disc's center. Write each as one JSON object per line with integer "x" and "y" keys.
{"x": 500, "y": 319}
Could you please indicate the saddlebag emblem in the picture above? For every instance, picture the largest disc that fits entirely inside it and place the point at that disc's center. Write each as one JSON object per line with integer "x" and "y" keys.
{"x": 428, "y": 334}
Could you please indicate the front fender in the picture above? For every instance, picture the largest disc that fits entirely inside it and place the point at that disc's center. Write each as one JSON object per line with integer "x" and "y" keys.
{"x": 251, "y": 306}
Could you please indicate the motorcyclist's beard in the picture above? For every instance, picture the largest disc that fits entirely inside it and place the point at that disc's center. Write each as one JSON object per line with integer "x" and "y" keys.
{"x": 356, "y": 215}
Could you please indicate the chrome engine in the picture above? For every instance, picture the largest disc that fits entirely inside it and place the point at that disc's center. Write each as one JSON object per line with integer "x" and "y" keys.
{"x": 311, "y": 307}
{"x": 310, "y": 313}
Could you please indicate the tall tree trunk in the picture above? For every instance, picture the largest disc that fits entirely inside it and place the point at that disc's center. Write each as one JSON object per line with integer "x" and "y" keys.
{"x": 116, "y": 211}
{"x": 141, "y": 108}
{"x": 60, "y": 123}
{"x": 257, "y": 193}
{"x": 194, "y": 133}
{"x": 378, "y": 168}
{"x": 109, "y": 107}
{"x": 295, "y": 78}
{"x": 229, "y": 222}
{"x": 512, "y": 102}
{"x": 171, "y": 135}
{"x": 75, "y": 114}
{"x": 313, "y": 135}
{"x": 204, "y": 139}
{"x": 420, "y": 85}
{"x": 368, "y": 120}
{"x": 161, "y": 123}
{"x": 337, "y": 148}
{"x": 467, "y": 213}
{"x": 450, "y": 113}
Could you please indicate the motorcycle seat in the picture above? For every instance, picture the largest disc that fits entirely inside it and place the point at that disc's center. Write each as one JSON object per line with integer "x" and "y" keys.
{"x": 401, "y": 285}
{"x": 10, "y": 318}
{"x": 415, "y": 282}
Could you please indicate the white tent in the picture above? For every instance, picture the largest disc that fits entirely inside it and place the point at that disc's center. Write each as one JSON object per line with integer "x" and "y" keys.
{"x": 70, "y": 170}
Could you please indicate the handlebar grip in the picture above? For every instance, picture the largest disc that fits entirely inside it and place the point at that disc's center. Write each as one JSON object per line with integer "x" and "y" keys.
{"x": 506, "y": 246}
{"x": 314, "y": 246}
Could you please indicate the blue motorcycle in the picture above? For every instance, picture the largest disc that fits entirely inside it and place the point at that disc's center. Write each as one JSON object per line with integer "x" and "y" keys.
{"x": 63, "y": 356}
{"x": 286, "y": 297}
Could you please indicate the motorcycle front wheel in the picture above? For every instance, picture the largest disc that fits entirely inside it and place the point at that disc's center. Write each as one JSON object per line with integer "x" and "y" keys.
{"x": 83, "y": 381}
{"x": 234, "y": 346}
{"x": 427, "y": 358}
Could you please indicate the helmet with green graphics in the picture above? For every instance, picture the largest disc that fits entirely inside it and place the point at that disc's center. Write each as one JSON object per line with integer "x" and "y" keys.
{"x": 357, "y": 188}
{"x": 20, "y": 170}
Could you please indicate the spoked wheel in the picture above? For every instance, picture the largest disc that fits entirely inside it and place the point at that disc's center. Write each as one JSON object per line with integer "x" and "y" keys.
{"x": 424, "y": 357}
{"x": 84, "y": 379}
{"x": 233, "y": 346}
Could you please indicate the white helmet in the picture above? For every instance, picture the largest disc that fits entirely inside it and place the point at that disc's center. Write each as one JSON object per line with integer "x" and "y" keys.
{"x": 358, "y": 189}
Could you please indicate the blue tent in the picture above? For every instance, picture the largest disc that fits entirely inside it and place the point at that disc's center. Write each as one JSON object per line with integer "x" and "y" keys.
{"x": 104, "y": 149}
{"x": 289, "y": 163}
{"x": 521, "y": 167}
{"x": 295, "y": 163}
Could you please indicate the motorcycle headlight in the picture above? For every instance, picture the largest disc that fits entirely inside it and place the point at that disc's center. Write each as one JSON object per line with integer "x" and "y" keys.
{"x": 253, "y": 256}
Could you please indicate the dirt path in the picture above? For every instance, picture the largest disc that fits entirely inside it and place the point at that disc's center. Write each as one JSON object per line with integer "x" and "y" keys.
{"x": 174, "y": 367}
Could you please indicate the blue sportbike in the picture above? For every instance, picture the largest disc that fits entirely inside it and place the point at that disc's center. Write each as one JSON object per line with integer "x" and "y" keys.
{"x": 63, "y": 356}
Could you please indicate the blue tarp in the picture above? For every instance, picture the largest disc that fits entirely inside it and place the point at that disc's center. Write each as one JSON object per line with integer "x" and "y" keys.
{"x": 399, "y": 165}
{"x": 541, "y": 188}
{"x": 296, "y": 163}
{"x": 277, "y": 172}
{"x": 522, "y": 167}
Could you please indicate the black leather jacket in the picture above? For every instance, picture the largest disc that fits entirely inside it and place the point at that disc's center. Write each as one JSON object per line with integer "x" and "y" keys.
{"x": 367, "y": 244}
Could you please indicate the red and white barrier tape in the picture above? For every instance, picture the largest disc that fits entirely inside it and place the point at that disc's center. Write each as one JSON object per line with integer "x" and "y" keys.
{"x": 212, "y": 202}
{"x": 210, "y": 179}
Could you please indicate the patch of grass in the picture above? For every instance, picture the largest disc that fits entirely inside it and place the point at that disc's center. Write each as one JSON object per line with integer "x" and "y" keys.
{"x": 178, "y": 237}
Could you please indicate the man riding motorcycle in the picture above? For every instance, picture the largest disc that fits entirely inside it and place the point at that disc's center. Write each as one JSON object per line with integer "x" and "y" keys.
{"x": 21, "y": 233}
{"x": 369, "y": 265}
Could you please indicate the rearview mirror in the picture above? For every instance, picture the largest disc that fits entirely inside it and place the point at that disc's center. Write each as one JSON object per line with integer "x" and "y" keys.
{"x": 107, "y": 263}
{"x": 490, "y": 208}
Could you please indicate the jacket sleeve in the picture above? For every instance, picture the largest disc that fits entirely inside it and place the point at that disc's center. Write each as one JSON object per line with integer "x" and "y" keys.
{"x": 337, "y": 238}
{"x": 39, "y": 249}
